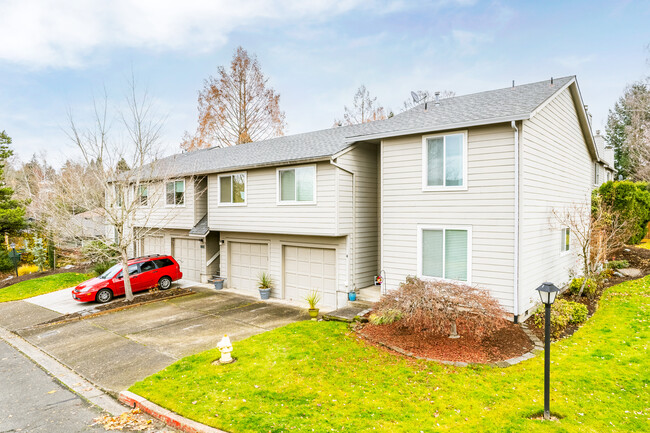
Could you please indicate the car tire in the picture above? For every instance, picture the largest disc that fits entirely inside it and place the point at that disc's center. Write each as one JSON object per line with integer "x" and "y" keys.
{"x": 165, "y": 283}
{"x": 104, "y": 296}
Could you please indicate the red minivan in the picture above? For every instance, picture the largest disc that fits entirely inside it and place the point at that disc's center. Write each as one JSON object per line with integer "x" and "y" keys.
{"x": 144, "y": 272}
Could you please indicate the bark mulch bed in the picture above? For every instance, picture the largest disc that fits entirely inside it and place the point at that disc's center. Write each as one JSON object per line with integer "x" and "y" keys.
{"x": 638, "y": 258}
{"x": 122, "y": 304}
{"x": 8, "y": 279}
{"x": 508, "y": 342}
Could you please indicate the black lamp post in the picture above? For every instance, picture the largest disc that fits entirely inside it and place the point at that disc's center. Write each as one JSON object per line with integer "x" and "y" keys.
{"x": 548, "y": 292}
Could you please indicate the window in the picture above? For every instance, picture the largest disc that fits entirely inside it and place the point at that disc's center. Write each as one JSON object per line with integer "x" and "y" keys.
{"x": 161, "y": 263}
{"x": 133, "y": 269}
{"x": 118, "y": 196}
{"x": 175, "y": 193}
{"x": 596, "y": 174}
{"x": 147, "y": 266}
{"x": 444, "y": 253}
{"x": 566, "y": 240}
{"x": 297, "y": 185}
{"x": 143, "y": 193}
{"x": 444, "y": 162}
{"x": 232, "y": 189}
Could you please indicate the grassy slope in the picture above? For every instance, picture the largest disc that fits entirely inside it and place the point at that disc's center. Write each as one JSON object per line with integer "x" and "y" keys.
{"x": 316, "y": 376}
{"x": 39, "y": 286}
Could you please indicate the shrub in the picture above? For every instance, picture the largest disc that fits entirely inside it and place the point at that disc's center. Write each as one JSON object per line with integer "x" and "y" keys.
{"x": 631, "y": 200}
{"x": 27, "y": 269}
{"x": 563, "y": 313}
{"x": 436, "y": 306}
{"x": 39, "y": 251}
{"x": 5, "y": 262}
{"x": 618, "y": 264}
{"x": 576, "y": 284}
{"x": 385, "y": 317}
{"x": 101, "y": 267}
{"x": 99, "y": 252}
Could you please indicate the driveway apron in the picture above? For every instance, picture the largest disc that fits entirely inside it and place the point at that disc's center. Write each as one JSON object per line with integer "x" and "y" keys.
{"x": 115, "y": 350}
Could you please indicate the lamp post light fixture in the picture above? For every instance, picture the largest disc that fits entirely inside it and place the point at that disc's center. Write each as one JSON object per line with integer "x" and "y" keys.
{"x": 548, "y": 292}
{"x": 14, "y": 256}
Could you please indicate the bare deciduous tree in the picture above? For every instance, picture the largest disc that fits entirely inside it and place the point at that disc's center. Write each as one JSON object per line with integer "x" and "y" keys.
{"x": 125, "y": 198}
{"x": 236, "y": 107}
{"x": 364, "y": 109}
{"x": 597, "y": 230}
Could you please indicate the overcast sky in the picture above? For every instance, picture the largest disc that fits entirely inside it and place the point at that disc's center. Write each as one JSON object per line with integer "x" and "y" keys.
{"x": 57, "y": 55}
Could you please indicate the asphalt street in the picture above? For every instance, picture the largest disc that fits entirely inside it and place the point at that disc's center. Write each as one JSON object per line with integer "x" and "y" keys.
{"x": 33, "y": 401}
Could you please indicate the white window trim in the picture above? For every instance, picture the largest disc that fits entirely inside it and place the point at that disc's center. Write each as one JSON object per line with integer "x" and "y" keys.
{"x": 294, "y": 202}
{"x": 563, "y": 251}
{"x": 137, "y": 196}
{"x": 219, "y": 202}
{"x": 425, "y": 159}
{"x": 421, "y": 228}
{"x": 184, "y": 193}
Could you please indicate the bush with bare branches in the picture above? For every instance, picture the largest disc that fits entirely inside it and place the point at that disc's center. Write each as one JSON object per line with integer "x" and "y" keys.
{"x": 439, "y": 307}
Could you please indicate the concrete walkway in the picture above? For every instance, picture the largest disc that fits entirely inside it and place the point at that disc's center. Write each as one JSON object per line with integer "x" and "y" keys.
{"x": 117, "y": 349}
{"x": 60, "y": 301}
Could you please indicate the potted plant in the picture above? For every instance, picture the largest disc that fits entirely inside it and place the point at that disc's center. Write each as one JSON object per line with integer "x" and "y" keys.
{"x": 312, "y": 299}
{"x": 264, "y": 284}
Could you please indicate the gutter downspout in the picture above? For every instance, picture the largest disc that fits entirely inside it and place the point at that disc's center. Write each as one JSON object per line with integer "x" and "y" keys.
{"x": 515, "y": 303}
{"x": 349, "y": 282}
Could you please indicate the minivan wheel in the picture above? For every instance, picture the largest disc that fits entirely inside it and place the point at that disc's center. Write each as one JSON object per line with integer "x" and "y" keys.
{"x": 164, "y": 283}
{"x": 104, "y": 296}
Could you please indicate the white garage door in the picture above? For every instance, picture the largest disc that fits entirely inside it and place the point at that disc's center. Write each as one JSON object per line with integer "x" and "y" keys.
{"x": 188, "y": 254}
{"x": 247, "y": 261}
{"x": 307, "y": 269}
{"x": 153, "y": 245}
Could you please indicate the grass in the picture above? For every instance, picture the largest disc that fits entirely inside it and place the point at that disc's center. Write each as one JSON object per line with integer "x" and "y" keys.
{"x": 39, "y": 286}
{"x": 317, "y": 377}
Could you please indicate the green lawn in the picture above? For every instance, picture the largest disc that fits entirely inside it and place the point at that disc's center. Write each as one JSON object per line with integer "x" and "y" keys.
{"x": 316, "y": 377}
{"x": 39, "y": 286}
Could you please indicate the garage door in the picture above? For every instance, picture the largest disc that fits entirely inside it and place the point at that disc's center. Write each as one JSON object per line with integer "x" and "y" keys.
{"x": 153, "y": 245}
{"x": 247, "y": 261}
{"x": 307, "y": 269}
{"x": 188, "y": 254}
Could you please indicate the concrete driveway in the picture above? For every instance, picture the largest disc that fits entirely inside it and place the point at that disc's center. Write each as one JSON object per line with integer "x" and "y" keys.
{"x": 115, "y": 350}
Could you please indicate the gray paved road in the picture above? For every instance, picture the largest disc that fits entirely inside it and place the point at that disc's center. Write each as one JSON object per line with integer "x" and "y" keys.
{"x": 32, "y": 401}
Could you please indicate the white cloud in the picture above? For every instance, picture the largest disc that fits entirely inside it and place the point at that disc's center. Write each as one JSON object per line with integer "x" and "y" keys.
{"x": 50, "y": 33}
{"x": 469, "y": 42}
{"x": 574, "y": 62}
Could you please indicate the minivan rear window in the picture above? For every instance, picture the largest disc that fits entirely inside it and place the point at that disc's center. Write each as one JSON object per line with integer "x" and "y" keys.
{"x": 161, "y": 263}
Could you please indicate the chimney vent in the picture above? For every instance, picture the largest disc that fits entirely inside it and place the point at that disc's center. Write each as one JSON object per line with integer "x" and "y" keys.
{"x": 551, "y": 81}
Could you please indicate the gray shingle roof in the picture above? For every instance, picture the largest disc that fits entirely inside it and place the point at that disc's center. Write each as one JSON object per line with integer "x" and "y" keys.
{"x": 502, "y": 105}
{"x": 201, "y": 228}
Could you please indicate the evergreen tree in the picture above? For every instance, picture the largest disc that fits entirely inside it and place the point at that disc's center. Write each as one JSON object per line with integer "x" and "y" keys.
{"x": 12, "y": 212}
{"x": 40, "y": 254}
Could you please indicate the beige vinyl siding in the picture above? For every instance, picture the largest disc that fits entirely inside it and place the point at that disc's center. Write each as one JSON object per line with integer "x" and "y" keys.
{"x": 556, "y": 172}
{"x": 263, "y": 214}
{"x": 275, "y": 243}
{"x": 158, "y": 214}
{"x": 487, "y": 206}
{"x": 363, "y": 162}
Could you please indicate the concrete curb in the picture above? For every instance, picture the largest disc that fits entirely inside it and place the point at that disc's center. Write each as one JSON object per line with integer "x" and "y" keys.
{"x": 501, "y": 364}
{"x": 168, "y": 417}
{"x": 63, "y": 374}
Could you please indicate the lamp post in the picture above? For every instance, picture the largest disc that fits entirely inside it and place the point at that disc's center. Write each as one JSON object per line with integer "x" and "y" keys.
{"x": 548, "y": 292}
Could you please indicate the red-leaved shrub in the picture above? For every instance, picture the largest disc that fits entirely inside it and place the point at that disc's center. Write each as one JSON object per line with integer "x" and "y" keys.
{"x": 435, "y": 306}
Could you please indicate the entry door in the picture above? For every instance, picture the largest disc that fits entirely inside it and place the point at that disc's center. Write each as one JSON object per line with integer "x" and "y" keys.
{"x": 307, "y": 269}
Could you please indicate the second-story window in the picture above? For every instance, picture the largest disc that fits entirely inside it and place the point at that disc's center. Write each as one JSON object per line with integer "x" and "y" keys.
{"x": 444, "y": 161}
{"x": 232, "y": 189}
{"x": 297, "y": 185}
{"x": 118, "y": 196}
{"x": 175, "y": 193}
{"x": 143, "y": 195}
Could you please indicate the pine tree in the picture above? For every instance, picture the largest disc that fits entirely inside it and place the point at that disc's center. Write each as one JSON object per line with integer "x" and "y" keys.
{"x": 12, "y": 212}
{"x": 40, "y": 254}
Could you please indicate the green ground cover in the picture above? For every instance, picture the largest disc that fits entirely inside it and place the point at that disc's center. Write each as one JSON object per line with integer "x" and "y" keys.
{"x": 318, "y": 377}
{"x": 39, "y": 286}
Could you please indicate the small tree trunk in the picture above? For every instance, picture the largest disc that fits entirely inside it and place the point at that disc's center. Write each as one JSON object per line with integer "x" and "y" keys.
{"x": 128, "y": 292}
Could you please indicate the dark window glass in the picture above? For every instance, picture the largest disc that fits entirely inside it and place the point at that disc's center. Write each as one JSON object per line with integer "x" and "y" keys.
{"x": 161, "y": 263}
{"x": 147, "y": 266}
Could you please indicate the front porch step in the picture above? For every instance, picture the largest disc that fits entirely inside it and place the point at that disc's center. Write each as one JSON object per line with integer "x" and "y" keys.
{"x": 370, "y": 294}
{"x": 361, "y": 303}
{"x": 346, "y": 314}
